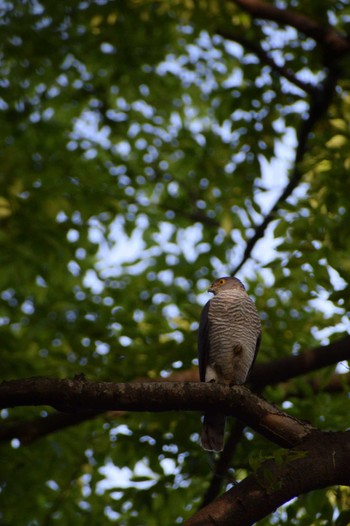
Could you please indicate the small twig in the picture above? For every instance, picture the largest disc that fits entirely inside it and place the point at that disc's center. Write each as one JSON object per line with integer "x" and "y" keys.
{"x": 265, "y": 58}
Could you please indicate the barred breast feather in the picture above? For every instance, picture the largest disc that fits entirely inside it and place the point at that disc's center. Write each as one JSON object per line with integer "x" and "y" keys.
{"x": 233, "y": 332}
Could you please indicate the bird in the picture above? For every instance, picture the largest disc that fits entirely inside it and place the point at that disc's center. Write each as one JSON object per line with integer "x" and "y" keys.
{"x": 229, "y": 337}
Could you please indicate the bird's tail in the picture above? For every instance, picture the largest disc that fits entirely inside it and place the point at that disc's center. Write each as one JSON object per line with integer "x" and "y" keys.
{"x": 213, "y": 430}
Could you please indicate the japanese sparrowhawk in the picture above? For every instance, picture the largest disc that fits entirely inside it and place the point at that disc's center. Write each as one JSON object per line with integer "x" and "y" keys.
{"x": 228, "y": 341}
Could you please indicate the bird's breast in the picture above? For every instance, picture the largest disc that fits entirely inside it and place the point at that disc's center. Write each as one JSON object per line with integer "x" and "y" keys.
{"x": 233, "y": 323}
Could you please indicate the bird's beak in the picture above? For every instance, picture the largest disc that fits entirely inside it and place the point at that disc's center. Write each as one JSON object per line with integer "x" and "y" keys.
{"x": 211, "y": 289}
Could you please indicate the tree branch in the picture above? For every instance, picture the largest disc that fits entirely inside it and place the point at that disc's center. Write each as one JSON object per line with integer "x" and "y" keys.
{"x": 292, "y": 366}
{"x": 81, "y": 395}
{"x": 336, "y": 45}
{"x": 263, "y": 374}
{"x": 279, "y": 480}
{"x": 265, "y": 58}
{"x": 335, "y": 42}
{"x": 30, "y": 430}
{"x": 318, "y": 106}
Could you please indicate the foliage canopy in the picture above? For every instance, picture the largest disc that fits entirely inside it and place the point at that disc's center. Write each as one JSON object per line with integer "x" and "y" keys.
{"x": 147, "y": 147}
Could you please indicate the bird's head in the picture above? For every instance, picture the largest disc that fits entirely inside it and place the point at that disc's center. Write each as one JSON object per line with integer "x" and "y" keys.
{"x": 225, "y": 283}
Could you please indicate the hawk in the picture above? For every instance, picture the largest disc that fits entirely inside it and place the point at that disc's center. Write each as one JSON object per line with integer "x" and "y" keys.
{"x": 228, "y": 340}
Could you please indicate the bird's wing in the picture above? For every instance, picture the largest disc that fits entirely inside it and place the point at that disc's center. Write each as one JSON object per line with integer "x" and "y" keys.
{"x": 258, "y": 341}
{"x": 203, "y": 341}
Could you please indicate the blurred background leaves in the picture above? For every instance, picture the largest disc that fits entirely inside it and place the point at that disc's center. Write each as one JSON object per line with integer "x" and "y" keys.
{"x": 142, "y": 143}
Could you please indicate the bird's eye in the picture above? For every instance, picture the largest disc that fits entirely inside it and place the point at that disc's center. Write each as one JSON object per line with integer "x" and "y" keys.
{"x": 222, "y": 281}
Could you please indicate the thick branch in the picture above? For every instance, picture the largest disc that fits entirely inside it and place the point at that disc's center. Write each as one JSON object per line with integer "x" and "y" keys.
{"x": 81, "y": 395}
{"x": 335, "y": 42}
{"x": 278, "y": 481}
{"x": 263, "y": 374}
